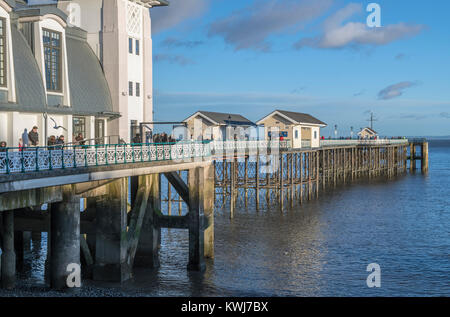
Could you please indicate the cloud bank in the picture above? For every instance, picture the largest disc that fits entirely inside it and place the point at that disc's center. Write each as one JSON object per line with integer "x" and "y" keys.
{"x": 251, "y": 27}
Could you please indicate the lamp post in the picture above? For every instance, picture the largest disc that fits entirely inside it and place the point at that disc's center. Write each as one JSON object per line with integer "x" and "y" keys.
{"x": 335, "y": 131}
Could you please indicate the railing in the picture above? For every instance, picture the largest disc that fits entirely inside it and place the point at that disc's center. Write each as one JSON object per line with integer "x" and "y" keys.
{"x": 329, "y": 143}
{"x": 244, "y": 146}
{"x": 306, "y": 144}
{"x": 32, "y": 159}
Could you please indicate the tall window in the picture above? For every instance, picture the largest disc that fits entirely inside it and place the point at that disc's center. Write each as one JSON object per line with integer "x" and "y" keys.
{"x": 3, "y": 54}
{"x": 52, "y": 53}
{"x": 137, "y": 47}
{"x": 138, "y": 89}
{"x": 130, "y": 45}
{"x": 130, "y": 88}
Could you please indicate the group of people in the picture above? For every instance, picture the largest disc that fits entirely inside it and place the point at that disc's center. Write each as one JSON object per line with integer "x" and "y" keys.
{"x": 31, "y": 139}
{"x": 28, "y": 139}
{"x": 156, "y": 138}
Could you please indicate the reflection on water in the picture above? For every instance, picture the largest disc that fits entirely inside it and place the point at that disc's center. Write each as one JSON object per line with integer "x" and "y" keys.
{"x": 321, "y": 248}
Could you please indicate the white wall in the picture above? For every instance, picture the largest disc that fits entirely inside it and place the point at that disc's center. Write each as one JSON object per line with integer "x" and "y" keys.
{"x": 4, "y": 125}
{"x": 135, "y": 74}
{"x": 315, "y": 136}
{"x": 297, "y": 142}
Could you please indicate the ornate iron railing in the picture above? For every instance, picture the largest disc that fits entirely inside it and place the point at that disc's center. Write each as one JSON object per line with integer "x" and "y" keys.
{"x": 32, "y": 159}
{"x": 328, "y": 143}
{"x": 244, "y": 146}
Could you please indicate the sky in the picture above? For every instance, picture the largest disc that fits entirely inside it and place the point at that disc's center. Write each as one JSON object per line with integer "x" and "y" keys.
{"x": 314, "y": 56}
{"x": 319, "y": 57}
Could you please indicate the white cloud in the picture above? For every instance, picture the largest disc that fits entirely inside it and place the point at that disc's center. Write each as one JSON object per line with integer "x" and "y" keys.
{"x": 396, "y": 90}
{"x": 337, "y": 34}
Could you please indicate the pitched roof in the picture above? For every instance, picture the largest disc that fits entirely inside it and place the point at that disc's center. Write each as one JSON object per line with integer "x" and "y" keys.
{"x": 224, "y": 118}
{"x": 369, "y": 130}
{"x": 297, "y": 117}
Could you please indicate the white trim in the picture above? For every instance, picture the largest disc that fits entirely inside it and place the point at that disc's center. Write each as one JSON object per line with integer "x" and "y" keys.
{"x": 259, "y": 122}
{"x": 198, "y": 113}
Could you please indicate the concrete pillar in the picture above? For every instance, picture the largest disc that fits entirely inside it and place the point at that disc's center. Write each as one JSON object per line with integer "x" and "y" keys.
{"x": 8, "y": 267}
{"x": 111, "y": 235}
{"x": 196, "y": 234}
{"x": 64, "y": 238}
{"x": 425, "y": 157}
{"x": 149, "y": 240}
{"x": 207, "y": 193}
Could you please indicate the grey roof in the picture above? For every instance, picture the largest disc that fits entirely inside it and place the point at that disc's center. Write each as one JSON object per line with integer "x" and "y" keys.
{"x": 39, "y": 10}
{"x": 301, "y": 117}
{"x": 30, "y": 90}
{"x": 89, "y": 90}
{"x": 226, "y": 118}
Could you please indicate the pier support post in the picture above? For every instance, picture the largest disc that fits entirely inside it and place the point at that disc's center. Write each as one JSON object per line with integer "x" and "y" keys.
{"x": 196, "y": 234}
{"x": 8, "y": 267}
{"x": 147, "y": 250}
{"x": 111, "y": 232}
{"x": 65, "y": 237}
{"x": 207, "y": 193}
{"x": 412, "y": 157}
{"x": 424, "y": 157}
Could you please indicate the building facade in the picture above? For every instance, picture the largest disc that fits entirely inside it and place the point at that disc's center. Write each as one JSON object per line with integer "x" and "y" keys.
{"x": 367, "y": 133}
{"x": 206, "y": 125}
{"x": 303, "y": 130}
{"x": 81, "y": 66}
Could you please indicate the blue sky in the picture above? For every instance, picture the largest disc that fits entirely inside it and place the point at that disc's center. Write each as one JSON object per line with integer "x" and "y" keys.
{"x": 319, "y": 57}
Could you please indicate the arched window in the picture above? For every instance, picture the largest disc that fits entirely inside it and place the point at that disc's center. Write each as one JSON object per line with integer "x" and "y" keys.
{"x": 53, "y": 61}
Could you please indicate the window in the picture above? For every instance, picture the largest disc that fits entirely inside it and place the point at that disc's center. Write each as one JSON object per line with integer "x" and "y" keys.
{"x": 52, "y": 55}
{"x": 138, "y": 89}
{"x": 130, "y": 45}
{"x": 3, "y": 54}
{"x": 315, "y": 134}
{"x": 137, "y": 47}
{"x": 130, "y": 88}
{"x": 79, "y": 126}
{"x": 296, "y": 134}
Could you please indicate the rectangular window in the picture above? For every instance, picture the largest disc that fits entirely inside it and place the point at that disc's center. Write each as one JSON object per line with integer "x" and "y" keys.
{"x": 296, "y": 134}
{"x": 130, "y": 45}
{"x": 52, "y": 54}
{"x": 3, "y": 72}
{"x": 79, "y": 126}
{"x": 138, "y": 89}
{"x": 315, "y": 134}
{"x": 137, "y": 47}
{"x": 130, "y": 88}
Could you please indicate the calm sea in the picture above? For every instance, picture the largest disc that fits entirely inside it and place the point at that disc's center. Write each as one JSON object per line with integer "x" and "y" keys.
{"x": 321, "y": 248}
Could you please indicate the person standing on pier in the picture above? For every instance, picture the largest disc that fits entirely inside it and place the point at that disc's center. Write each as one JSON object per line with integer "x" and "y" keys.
{"x": 33, "y": 136}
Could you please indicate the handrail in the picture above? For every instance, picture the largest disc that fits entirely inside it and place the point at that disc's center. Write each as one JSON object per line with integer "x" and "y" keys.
{"x": 33, "y": 159}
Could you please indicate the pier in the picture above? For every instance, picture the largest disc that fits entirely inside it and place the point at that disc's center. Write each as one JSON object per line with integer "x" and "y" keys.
{"x": 92, "y": 223}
